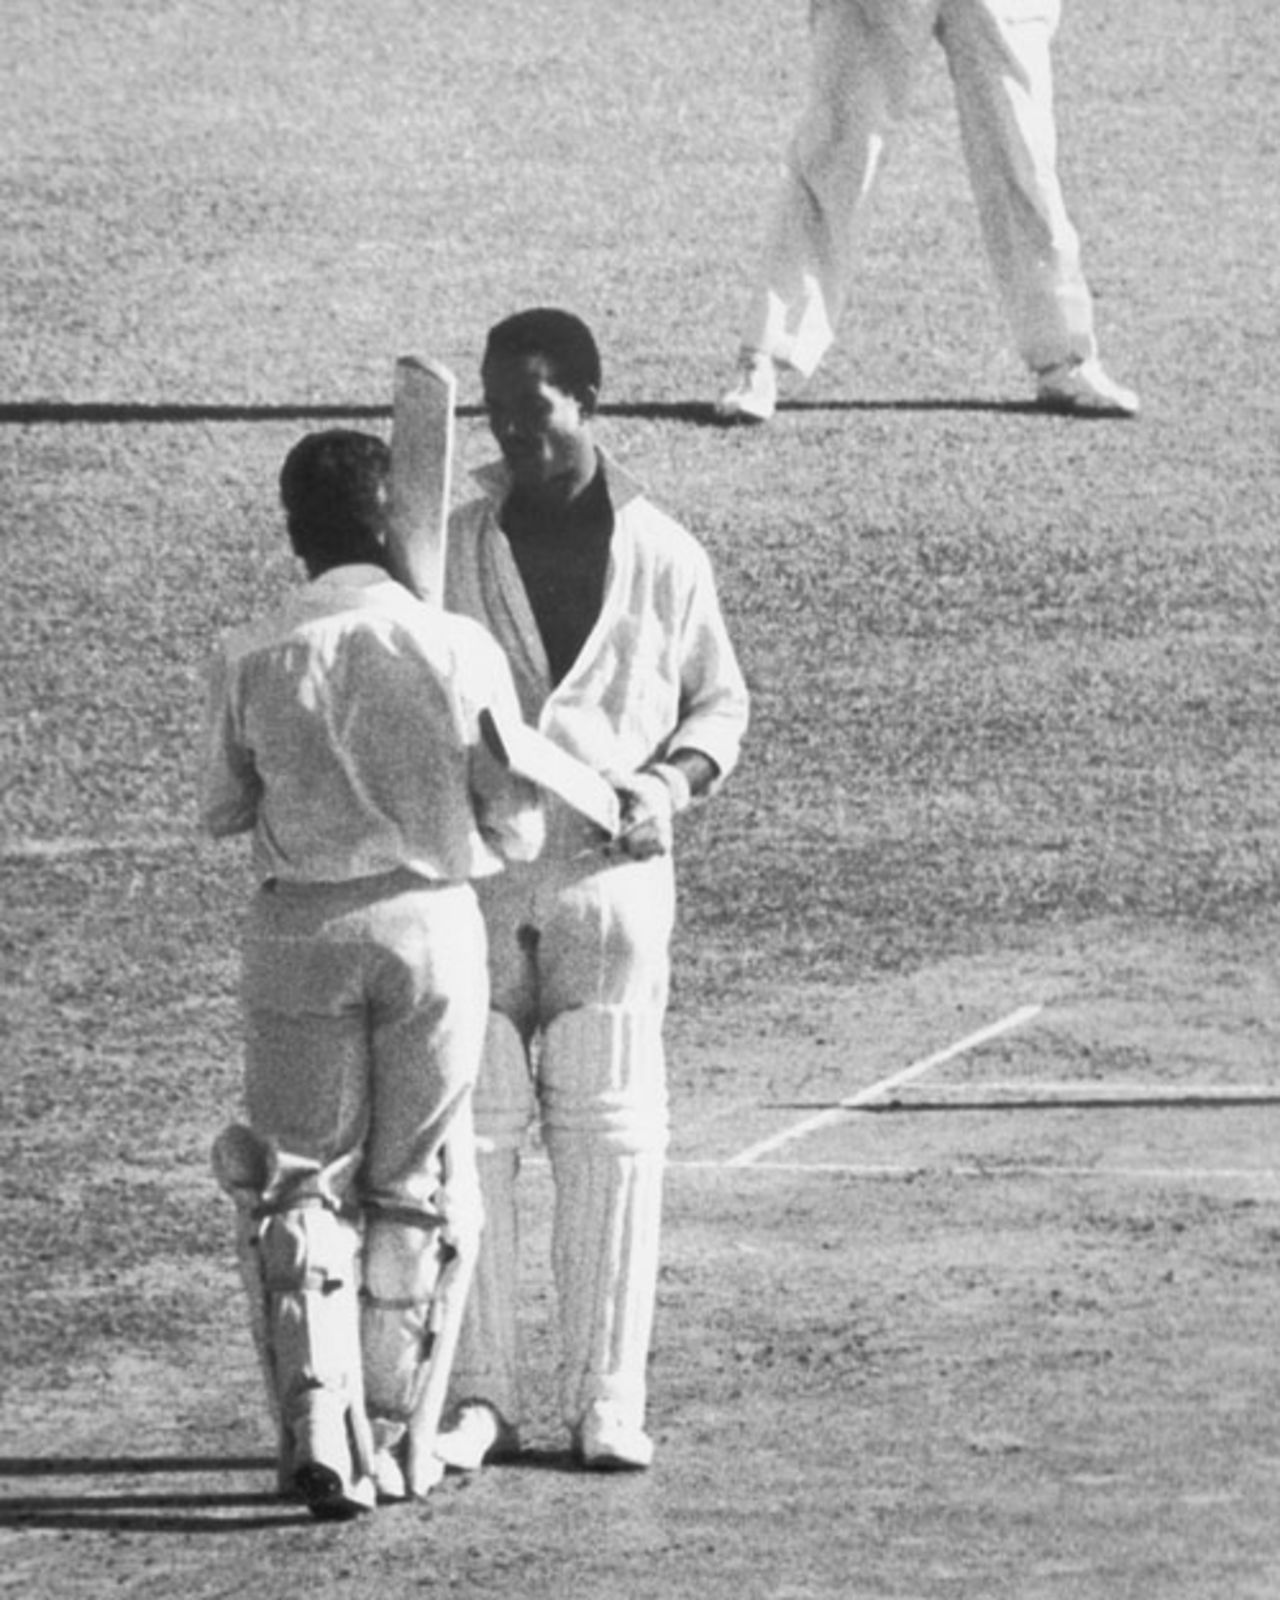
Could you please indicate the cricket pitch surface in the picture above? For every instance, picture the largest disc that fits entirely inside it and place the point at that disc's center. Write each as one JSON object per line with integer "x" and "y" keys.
{"x": 1001, "y": 1329}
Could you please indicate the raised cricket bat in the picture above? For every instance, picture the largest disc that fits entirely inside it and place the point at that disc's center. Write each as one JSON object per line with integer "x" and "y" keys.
{"x": 422, "y": 428}
{"x": 532, "y": 755}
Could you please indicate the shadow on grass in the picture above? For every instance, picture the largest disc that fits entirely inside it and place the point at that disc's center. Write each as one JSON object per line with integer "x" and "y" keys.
{"x": 178, "y": 1511}
{"x": 541, "y": 1461}
{"x": 700, "y": 413}
{"x": 563, "y": 1460}
{"x": 149, "y": 1510}
{"x": 23, "y": 413}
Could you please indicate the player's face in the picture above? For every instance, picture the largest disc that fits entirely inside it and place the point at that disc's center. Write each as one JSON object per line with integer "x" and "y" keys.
{"x": 544, "y": 432}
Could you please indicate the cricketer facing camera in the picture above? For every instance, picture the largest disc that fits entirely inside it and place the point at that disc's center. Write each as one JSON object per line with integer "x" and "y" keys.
{"x": 343, "y": 731}
{"x": 608, "y": 613}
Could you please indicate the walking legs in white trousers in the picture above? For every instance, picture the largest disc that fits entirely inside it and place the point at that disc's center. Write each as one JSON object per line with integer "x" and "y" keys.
{"x": 1004, "y": 96}
{"x": 865, "y": 53}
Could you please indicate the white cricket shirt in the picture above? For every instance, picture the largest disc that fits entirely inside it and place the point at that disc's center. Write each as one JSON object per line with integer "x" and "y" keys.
{"x": 343, "y": 730}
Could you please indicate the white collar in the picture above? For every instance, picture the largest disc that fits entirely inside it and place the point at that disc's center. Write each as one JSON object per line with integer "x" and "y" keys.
{"x": 352, "y": 575}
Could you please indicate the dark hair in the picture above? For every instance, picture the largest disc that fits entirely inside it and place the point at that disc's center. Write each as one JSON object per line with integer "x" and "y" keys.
{"x": 334, "y": 487}
{"x": 561, "y": 339}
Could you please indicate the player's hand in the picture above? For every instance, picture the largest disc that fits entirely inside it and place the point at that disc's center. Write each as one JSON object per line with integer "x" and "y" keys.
{"x": 647, "y": 813}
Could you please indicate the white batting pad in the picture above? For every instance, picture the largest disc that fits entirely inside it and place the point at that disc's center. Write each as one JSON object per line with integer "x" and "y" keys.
{"x": 460, "y": 1247}
{"x": 606, "y": 1130}
{"x": 402, "y": 1263}
{"x": 299, "y": 1267}
{"x": 487, "y": 1364}
{"x": 309, "y": 1266}
{"x": 240, "y": 1165}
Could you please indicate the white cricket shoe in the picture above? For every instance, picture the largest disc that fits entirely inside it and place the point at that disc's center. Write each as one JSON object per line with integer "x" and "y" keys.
{"x": 603, "y": 1442}
{"x": 479, "y": 1433}
{"x": 1083, "y": 389}
{"x": 387, "y": 1468}
{"x": 323, "y": 1472}
{"x": 388, "y": 1476}
{"x": 331, "y": 1495}
{"x": 753, "y": 394}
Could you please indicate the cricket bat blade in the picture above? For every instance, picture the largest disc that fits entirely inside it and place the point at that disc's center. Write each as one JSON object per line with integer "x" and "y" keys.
{"x": 532, "y": 755}
{"x": 422, "y": 431}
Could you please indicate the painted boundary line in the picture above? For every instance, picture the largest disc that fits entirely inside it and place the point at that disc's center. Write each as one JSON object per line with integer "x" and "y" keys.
{"x": 876, "y": 1091}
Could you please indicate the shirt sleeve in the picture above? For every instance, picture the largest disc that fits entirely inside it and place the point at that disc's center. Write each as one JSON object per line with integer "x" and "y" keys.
{"x": 230, "y": 787}
{"x": 714, "y": 702}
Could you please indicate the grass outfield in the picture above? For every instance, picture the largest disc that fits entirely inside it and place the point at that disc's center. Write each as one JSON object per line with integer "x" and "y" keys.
{"x": 1014, "y": 740}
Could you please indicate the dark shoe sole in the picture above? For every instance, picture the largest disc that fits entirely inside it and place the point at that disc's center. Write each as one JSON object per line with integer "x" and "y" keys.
{"x": 326, "y": 1498}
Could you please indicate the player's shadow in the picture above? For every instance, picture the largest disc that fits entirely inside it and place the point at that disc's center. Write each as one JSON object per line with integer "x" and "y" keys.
{"x": 697, "y": 413}
{"x": 702, "y": 413}
{"x": 28, "y": 413}
{"x": 158, "y": 1510}
{"x": 535, "y": 1460}
{"x": 561, "y": 1459}
{"x": 179, "y": 1511}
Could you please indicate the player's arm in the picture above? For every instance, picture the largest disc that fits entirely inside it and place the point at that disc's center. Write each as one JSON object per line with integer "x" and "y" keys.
{"x": 714, "y": 699}
{"x": 230, "y": 787}
{"x": 688, "y": 773}
{"x": 703, "y": 747}
{"x": 652, "y": 798}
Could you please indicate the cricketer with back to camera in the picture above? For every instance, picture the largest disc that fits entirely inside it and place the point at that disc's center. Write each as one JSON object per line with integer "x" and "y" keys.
{"x": 608, "y": 613}
{"x": 342, "y": 732}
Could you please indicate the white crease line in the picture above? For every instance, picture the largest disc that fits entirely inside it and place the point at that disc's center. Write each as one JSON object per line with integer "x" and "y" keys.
{"x": 1001, "y": 1169}
{"x": 1030, "y": 1095}
{"x": 874, "y": 1091}
{"x": 59, "y": 849}
{"x": 1270, "y": 1176}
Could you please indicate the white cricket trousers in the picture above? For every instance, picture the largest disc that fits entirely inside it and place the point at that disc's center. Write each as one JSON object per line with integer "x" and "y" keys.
{"x": 864, "y": 57}
{"x": 579, "y": 964}
{"x": 365, "y": 1007}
